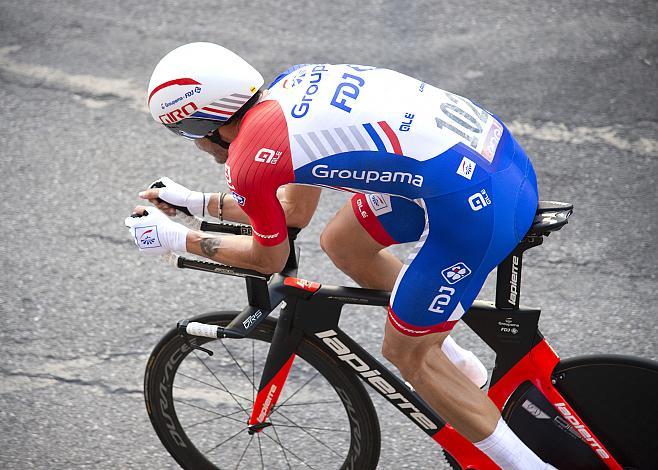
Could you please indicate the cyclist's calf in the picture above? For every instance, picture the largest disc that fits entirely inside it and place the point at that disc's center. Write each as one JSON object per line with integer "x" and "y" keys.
{"x": 450, "y": 393}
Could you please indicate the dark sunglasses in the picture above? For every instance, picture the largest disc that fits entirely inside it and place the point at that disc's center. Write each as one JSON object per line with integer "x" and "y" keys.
{"x": 194, "y": 128}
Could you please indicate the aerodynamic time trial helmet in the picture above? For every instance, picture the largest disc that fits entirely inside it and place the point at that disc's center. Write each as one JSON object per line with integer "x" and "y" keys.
{"x": 197, "y": 87}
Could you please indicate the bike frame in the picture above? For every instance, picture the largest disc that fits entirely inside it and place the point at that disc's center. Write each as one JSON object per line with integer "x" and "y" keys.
{"x": 312, "y": 310}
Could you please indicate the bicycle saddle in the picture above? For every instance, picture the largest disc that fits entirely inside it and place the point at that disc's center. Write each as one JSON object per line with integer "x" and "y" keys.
{"x": 550, "y": 217}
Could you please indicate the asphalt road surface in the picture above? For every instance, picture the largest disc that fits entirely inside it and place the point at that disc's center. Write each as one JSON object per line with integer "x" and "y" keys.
{"x": 81, "y": 308}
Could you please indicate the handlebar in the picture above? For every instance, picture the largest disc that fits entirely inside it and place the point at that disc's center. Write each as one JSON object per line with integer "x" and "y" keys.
{"x": 261, "y": 300}
{"x": 196, "y": 223}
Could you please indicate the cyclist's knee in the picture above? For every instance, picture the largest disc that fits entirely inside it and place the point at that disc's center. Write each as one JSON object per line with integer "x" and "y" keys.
{"x": 403, "y": 354}
{"x": 393, "y": 352}
{"x": 410, "y": 354}
{"x": 345, "y": 241}
{"x": 330, "y": 242}
{"x": 407, "y": 360}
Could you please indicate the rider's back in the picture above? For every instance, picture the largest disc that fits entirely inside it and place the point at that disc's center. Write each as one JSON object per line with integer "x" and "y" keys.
{"x": 362, "y": 128}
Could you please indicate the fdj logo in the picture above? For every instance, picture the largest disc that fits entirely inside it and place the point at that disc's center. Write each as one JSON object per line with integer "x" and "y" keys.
{"x": 455, "y": 273}
{"x": 479, "y": 200}
{"x": 347, "y": 90}
{"x": 441, "y": 300}
{"x": 267, "y": 156}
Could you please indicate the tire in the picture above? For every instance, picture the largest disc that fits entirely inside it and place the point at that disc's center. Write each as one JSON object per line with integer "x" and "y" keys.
{"x": 451, "y": 460}
{"x": 188, "y": 401}
{"x": 614, "y": 396}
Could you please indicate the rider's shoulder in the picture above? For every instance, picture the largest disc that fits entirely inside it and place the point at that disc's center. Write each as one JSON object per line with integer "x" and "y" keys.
{"x": 262, "y": 125}
{"x": 262, "y": 138}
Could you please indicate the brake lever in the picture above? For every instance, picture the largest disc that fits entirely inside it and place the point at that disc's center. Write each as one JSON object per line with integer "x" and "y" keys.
{"x": 181, "y": 327}
{"x": 135, "y": 215}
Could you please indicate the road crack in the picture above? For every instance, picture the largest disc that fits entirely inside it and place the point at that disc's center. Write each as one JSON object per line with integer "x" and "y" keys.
{"x": 73, "y": 381}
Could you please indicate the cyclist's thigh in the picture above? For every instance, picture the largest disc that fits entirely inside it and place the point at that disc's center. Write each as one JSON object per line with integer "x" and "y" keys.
{"x": 467, "y": 235}
{"x": 389, "y": 220}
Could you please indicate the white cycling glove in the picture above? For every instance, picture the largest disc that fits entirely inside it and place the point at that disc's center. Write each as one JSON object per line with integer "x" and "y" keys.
{"x": 178, "y": 195}
{"x": 156, "y": 234}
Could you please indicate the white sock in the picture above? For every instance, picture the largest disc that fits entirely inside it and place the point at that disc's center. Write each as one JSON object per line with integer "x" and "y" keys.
{"x": 508, "y": 451}
{"x": 465, "y": 361}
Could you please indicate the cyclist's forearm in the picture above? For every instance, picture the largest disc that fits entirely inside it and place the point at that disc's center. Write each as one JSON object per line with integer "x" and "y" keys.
{"x": 240, "y": 251}
{"x": 231, "y": 210}
{"x": 298, "y": 203}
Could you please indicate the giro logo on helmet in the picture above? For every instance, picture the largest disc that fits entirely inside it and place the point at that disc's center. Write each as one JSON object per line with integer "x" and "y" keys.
{"x": 174, "y": 96}
{"x": 178, "y": 114}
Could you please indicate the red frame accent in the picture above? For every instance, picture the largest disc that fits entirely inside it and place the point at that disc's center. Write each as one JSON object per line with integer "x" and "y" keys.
{"x": 263, "y": 407}
{"x": 468, "y": 456}
{"x": 309, "y": 286}
{"x": 536, "y": 367}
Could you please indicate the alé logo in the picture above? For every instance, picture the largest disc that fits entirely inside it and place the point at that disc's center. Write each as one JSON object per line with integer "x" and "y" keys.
{"x": 227, "y": 174}
{"x": 479, "y": 201}
{"x": 267, "y": 156}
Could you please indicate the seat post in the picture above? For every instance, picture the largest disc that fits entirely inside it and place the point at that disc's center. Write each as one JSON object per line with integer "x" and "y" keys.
{"x": 508, "y": 274}
{"x": 550, "y": 216}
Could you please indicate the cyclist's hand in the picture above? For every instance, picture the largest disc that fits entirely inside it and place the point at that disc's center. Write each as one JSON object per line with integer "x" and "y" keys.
{"x": 154, "y": 233}
{"x": 167, "y": 195}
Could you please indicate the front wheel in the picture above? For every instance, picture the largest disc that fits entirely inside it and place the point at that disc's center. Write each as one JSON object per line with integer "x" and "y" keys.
{"x": 199, "y": 405}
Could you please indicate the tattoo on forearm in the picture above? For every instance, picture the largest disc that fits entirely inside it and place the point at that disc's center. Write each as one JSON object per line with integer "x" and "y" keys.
{"x": 210, "y": 245}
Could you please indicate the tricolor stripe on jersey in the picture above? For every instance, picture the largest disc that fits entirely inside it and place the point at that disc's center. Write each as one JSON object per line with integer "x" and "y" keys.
{"x": 377, "y": 137}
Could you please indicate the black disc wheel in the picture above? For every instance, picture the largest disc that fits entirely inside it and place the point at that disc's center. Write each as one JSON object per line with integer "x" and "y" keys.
{"x": 615, "y": 396}
{"x": 199, "y": 406}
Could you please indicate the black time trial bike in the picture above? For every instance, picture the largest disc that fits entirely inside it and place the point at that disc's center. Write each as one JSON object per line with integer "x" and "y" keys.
{"x": 243, "y": 389}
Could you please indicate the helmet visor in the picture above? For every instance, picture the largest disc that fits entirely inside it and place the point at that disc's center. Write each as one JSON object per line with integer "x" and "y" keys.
{"x": 194, "y": 128}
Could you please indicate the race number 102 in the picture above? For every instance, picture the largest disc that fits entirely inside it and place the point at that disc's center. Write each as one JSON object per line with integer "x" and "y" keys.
{"x": 463, "y": 118}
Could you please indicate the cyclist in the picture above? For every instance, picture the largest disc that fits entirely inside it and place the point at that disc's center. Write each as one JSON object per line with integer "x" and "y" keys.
{"x": 428, "y": 152}
{"x": 354, "y": 239}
